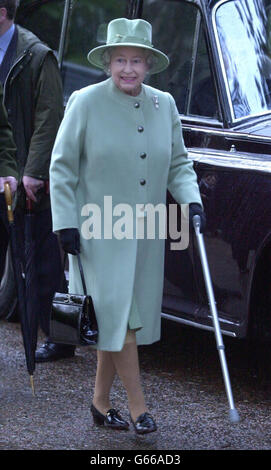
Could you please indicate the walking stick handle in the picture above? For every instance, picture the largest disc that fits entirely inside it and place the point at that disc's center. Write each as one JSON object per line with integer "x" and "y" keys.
{"x": 196, "y": 222}
{"x": 8, "y": 198}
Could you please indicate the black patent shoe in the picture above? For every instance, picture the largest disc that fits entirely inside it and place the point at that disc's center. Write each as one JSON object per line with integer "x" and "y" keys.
{"x": 144, "y": 424}
{"x": 112, "y": 419}
{"x": 52, "y": 352}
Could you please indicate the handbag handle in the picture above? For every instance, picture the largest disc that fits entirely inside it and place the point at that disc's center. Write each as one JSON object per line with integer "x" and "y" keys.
{"x": 80, "y": 269}
{"x": 81, "y": 273}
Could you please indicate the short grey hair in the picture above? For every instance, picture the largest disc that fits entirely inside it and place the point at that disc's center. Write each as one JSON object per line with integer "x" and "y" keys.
{"x": 150, "y": 58}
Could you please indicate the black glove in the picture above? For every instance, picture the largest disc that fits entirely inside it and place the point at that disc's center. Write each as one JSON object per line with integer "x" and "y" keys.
{"x": 196, "y": 209}
{"x": 70, "y": 240}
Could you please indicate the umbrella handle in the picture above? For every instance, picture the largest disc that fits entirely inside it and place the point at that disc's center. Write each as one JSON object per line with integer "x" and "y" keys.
{"x": 8, "y": 197}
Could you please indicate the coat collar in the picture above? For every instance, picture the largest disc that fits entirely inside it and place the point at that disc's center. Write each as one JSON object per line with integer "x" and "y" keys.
{"x": 123, "y": 98}
{"x": 26, "y": 40}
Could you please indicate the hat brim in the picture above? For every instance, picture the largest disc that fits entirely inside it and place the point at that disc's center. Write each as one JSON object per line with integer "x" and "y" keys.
{"x": 95, "y": 56}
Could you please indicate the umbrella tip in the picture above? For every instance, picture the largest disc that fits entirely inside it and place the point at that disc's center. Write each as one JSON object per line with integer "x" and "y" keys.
{"x": 32, "y": 384}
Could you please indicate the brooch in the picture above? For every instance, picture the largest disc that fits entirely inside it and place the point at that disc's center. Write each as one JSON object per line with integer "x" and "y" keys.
{"x": 155, "y": 101}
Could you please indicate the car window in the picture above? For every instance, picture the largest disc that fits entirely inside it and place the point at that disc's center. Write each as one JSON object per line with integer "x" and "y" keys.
{"x": 43, "y": 18}
{"x": 87, "y": 29}
{"x": 246, "y": 54}
{"x": 178, "y": 31}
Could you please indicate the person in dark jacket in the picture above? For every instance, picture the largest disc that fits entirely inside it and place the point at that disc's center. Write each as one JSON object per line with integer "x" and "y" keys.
{"x": 8, "y": 174}
{"x": 33, "y": 99}
{"x": 8, "y": 163}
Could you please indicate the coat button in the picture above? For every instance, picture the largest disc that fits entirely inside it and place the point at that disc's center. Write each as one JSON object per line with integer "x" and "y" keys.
{"x": 137, "y": 105}
{"x": 140, "y": 128}
{"x": 142, "y": 182}
{"x": 143, "y": 155}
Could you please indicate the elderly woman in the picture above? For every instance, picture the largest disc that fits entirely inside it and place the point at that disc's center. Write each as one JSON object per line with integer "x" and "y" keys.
{"x": 120, "y": 141}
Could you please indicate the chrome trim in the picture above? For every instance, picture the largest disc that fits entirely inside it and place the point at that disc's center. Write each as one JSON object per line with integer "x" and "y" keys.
{"x": 191, "y": 323}
{"x": 67, "y": 11}
{"x": 263, "y": 113}
{"x": 226, "y": 133}
{"x": 203, "y": 119}
{"x": 219, "y": 50}
{"x": 194, "y": 56}
{"x": 230, "y": 160}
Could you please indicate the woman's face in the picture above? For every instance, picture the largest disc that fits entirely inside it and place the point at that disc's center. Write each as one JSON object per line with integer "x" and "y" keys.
{"x": 128, "y": 68}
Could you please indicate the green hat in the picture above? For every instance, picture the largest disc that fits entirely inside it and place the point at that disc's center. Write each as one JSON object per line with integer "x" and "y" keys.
{"x": 124, "y": 32}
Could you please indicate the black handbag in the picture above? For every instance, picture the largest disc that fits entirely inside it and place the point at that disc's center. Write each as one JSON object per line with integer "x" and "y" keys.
{"x": 73, "y": 319}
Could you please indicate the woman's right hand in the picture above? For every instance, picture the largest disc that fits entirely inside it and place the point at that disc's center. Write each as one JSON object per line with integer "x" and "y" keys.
{"x": 70, "y": 240}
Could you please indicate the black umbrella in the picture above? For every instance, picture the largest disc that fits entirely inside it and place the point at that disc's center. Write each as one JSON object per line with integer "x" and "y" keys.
{"x": 18, "y": 269}
{"x": 31, "y": 282}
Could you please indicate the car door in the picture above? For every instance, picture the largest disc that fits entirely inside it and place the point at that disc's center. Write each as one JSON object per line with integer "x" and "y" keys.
{"x": 179, "y": 30}
{"x": 174, "y": 28}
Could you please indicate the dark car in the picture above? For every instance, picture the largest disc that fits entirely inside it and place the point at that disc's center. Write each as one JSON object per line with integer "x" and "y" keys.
{"x": 220, "y": 77}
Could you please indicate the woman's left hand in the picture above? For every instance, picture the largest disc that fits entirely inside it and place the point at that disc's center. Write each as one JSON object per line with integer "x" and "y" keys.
{"x": 196, "y": 209}
{"x": 70, "y": 240}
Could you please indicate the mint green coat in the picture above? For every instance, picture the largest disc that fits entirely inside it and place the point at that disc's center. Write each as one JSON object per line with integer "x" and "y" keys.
{"x": 98, "y": 152}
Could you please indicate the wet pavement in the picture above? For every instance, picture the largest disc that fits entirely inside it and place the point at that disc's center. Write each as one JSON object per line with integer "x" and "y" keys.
{"x": 183, "y": 386}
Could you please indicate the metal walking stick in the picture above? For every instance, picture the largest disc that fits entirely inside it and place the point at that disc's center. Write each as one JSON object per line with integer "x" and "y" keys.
{"x": 233, "y": 413}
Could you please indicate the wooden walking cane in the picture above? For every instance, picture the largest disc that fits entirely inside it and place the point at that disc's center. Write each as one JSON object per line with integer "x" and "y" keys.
{"x": 233, "y": 413}
{"x": 8, "y": 198}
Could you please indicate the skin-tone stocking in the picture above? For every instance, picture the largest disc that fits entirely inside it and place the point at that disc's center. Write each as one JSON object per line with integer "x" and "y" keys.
{"x": 105, "y": 375}
{"x": 126, "y": 364}
{"x": 127, "y": 367}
